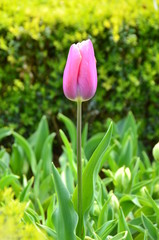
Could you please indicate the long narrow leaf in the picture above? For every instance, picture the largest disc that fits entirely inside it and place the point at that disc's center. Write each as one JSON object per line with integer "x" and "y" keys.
{"x": 46, "y": 155}
{"x": 27, "y": 149}
{"x": 49, "y": 231}
{"x": 152, "y": 230}
{"x": 84, "y": 135}
{"x": 70, "y": 128}
{"x": 126, "y": 153}
{"x": 7, "y": 180}
{"x": 26, "y": 190}
{"x": 5, "y": 132}
{"x": 119, "y": 236}
{"x": 69, "y": 152}
{"x": 123, "y": 226}
{"x": 106, "y": 228}
{"x": 91, "y": 171}
{"x": 92, "y": 143}
{"x": 41, "y": 134}
{"x": 18, "y": 162}
{"x": 65, "y": 217}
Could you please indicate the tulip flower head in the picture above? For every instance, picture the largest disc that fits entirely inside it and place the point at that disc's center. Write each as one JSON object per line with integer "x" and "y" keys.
{"x": 80, "y": 74}
{"x": 155, "y": 152}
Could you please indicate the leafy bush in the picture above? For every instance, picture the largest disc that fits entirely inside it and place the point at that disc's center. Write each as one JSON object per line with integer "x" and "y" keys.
{"x": 13, "y": 220}
{"x": 35, "y": 37}
{"x": 123, "y": 204}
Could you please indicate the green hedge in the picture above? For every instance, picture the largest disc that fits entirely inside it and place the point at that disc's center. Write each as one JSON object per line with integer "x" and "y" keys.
{"x": 35, "y": 37}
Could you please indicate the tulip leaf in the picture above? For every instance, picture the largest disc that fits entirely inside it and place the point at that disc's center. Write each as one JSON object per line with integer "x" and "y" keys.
{"x": 49, "y": 231}
{"x": 37, "y": 178}
{"x": 152, "y": 202}
{"x": 95, "y": 237}
{"x": 128, "y": 202}
{"x": 40, "y": 136}
{"x": 136, "y": 227}
{"x": 139, "y": 185}
{"x": 46, "y": 155}
{"x": 119, "y": 236}
{"x": 65, "y": 218}
{"x": 107, "y": 154}
{"x": 5, "y": 132}
{"x": 152, "y": 230}
{"x": 27, "y": 149}
{"x": 103, "y": 216}
{"x": 50, "y": 209}
{"x": 84, "y": 135}
{"x": 70, "y": 128}
{"x": 126, "y": 153}
{"x": 128, "y": 122}
{"x": 123, "y": 226}
{"x": 7, "y": 180}
{"x": 146, "y": 160}
{"x": 92, "y": 143}
{"x": 18, "y": 161}
{"x": 69, "y": 153}
{"x": 106, "y": 228}
{"x": 68, "y": 178}
{"x": 4, "y": 158}
{"x": 91, "y": 171}
{"x": 25, "y": 192}
{"x": 41, "y": 210}
{"x": 2, "y": 166}
{"x": 43, "y": 190}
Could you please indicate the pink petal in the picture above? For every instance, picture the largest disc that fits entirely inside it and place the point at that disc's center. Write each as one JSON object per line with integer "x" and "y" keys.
{"x": 70, "y": 75}
{"x": 87, "y": 77}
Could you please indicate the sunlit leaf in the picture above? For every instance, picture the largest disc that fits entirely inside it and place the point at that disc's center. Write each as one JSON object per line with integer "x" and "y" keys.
{"x": 65, "y": 217}
{"x": 7, "y": 180}
{"x": 24, "y": 195}
{"x": 119, "y": 236}
{"x": 91, "y": 171}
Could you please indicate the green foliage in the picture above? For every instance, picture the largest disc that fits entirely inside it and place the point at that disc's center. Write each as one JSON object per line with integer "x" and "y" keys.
{"x": 11, "y": 218}
{"x": 128, "y": 171}
{"x": 122, "y": 204}
{"x": 35, "y": 37}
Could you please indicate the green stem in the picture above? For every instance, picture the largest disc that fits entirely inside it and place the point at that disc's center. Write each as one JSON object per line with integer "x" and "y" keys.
{"x": 79, "y": 169}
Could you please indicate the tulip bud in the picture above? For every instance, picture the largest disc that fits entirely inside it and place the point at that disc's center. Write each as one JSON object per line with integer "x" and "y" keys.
{"x": 114, "y": 202}
{"x": 96, "y": 209}
{"x": 156, "y": 191}
{"x": 122, "y": 178}
{"x": 80, "y": 74}
{"x": 155, "y": 152}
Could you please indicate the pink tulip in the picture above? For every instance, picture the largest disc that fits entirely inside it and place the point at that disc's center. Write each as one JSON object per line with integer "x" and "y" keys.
{"x": 80, "y": 74}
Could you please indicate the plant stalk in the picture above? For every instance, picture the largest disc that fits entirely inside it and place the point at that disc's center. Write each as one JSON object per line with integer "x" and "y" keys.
{"x": 79, "y": 170}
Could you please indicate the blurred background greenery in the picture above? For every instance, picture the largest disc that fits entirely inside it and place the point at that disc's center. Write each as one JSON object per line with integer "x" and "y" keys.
{"x": 35, "y": 37}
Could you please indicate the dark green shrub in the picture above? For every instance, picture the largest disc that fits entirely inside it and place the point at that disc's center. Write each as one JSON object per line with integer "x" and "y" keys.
{"x": 35, "y": 37}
